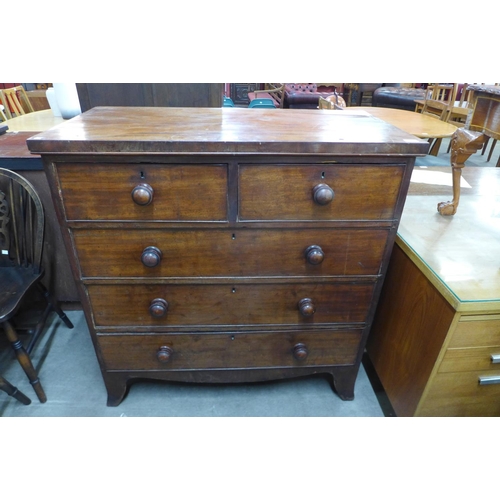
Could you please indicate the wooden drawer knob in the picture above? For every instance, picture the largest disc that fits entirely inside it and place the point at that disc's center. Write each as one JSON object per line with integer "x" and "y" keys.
{"x": 300, "y": 352}
{"x": 158, "y": 308}
{"x": 164, "y": 354}
{"x": 323, "y": 194}
{"x": 314, "y": 255}
{"x": 142, "y": 194}
{"x": 151, "y": 256}
{"x": 306, "y": 307}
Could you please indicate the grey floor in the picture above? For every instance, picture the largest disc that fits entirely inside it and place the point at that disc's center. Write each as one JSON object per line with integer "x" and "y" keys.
{"x": 70, "y": 374}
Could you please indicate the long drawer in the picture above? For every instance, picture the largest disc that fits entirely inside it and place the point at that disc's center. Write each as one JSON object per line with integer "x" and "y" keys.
{"x": 459, "y": 394}
{"x": 245, "y": 252}
{"x": 286, "y": 192}
{"x": 231, "y": 350}
{"x": 473, "y": 358}
{"x": 229, "y": 304}
{"x": 179, "y": 192}
{"x": 477, "y": 331}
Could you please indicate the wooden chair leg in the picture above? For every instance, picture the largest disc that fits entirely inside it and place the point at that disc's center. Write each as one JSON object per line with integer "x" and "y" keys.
{"x": 55, "y": 306}
{"x": 14, "y": 392}
{"x": 24, "y": 360}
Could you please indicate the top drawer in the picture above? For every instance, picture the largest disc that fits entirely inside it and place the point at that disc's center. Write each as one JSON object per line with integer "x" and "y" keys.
{"x": 287, "y": 192}
{"x": 174, "y": 192}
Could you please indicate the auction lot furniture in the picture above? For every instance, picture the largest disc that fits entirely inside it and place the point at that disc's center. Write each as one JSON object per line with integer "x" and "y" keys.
{"x": 435, "y": 341}
{"x": 231, "y": 244}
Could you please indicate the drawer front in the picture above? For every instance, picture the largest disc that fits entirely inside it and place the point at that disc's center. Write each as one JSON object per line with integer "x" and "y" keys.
{"x": 476, "y": 332}
{"x": 471, "y": 359}
{"x": 231, "y": 350}
{"x": 460, "y": 395}
{"x": 179, "y": 192}
{"x": 231, "y": 304}
{"x": 285, "y": 192}
{"x": 278, "y": 252}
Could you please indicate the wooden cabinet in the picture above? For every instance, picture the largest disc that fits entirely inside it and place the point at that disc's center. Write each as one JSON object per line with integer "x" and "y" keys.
{"x": 228, "y": 245}
{"x": 435, "y": 341}
{"x": 150, "y": 94}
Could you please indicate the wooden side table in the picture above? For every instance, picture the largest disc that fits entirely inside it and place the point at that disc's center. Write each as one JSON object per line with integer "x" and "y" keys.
{"x": 435, "y": 341}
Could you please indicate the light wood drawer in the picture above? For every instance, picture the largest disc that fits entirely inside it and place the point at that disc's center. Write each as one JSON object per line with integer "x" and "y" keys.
{"x": 474, "y": 358}
{"x": 230, "y": 304}
{"x": 230, "y": 350}
{"x": 459, "y": 394}
{"x": 277, "y": 252}
{"x": 285, "y": 192}
{"x": 180, "y": 192}
{"x": 476, "y": 332}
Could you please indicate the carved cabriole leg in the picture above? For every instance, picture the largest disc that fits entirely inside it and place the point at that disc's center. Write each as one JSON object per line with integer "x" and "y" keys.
{"x": 464, "y": 143}
{"x": 24, "y": 361}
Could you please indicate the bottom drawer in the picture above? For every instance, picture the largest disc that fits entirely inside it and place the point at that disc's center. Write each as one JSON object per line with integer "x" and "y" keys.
{"x": 460, "y": 395}
{"x": 231, "y": 350}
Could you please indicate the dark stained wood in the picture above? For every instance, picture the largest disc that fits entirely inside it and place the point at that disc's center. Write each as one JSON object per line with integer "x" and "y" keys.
{"x": 150, "y": 94}
{"x": 226, "y": 130}
{"x": 216, "y": 252}
{"x": 404, "y": 347}
{"x": 207, "y": 274}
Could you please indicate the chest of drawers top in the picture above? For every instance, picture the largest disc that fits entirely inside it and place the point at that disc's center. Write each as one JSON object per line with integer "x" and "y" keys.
{"x": 225, "y": 130}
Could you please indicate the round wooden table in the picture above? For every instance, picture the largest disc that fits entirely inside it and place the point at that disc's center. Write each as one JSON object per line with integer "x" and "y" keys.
{"x": 39, "y": 121}
{"x": 417, "y": 124}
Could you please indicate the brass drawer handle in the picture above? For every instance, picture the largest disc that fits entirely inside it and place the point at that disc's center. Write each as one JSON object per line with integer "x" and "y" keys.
{"x": 489, "y": 380}
{"x": 314, "y": 255}
{"x": 323, "y": 194}
{"x": 495, "y": 358}
{"x": 142, "y": 194}
{"x": 151, "y": 256}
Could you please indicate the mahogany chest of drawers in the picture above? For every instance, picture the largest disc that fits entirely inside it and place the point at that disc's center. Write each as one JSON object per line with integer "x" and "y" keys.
{"x": 228, "y": 245}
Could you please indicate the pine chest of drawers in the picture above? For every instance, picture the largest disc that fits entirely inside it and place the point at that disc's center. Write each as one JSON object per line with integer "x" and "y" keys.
{"x": 228, "y": 245}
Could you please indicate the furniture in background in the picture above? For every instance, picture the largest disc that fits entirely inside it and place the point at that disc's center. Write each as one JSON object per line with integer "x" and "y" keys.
{"x": 417, "y": 124}
{"x": 150, "y": 94}
{"x": 360, "y": 89}
{"x": 482, "y": 122}
{"x": 15, "y": 101}
{"x": 435, "y": 341}
{"x": 274, "y": 92}
{"x": 21, "y": 246}
{"x": 14, "y": 155}
{"x": 398, "y": 97}
{"x": 332, "y": 102}
{"x": 295, "y": 95}
{"x": 239, "y": 92}
{"x": 38, "y": 99}
{"x": 252, "y": 251}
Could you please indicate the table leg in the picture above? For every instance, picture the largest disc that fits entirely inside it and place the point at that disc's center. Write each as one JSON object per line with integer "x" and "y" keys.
{"x": 464, "y": 143}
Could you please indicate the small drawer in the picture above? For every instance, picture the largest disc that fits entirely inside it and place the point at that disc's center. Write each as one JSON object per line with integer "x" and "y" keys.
{"x": 471, "y": 359}
{"x": 245, "y": 252}
{"x": 319, "y": 192}
{"x": 230, "y": 350}
{"x": 166, "y": 306}
{"x": 461, "y": 395}
{"x": 144, "y": 192}
{"x": 476, "y": 331}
